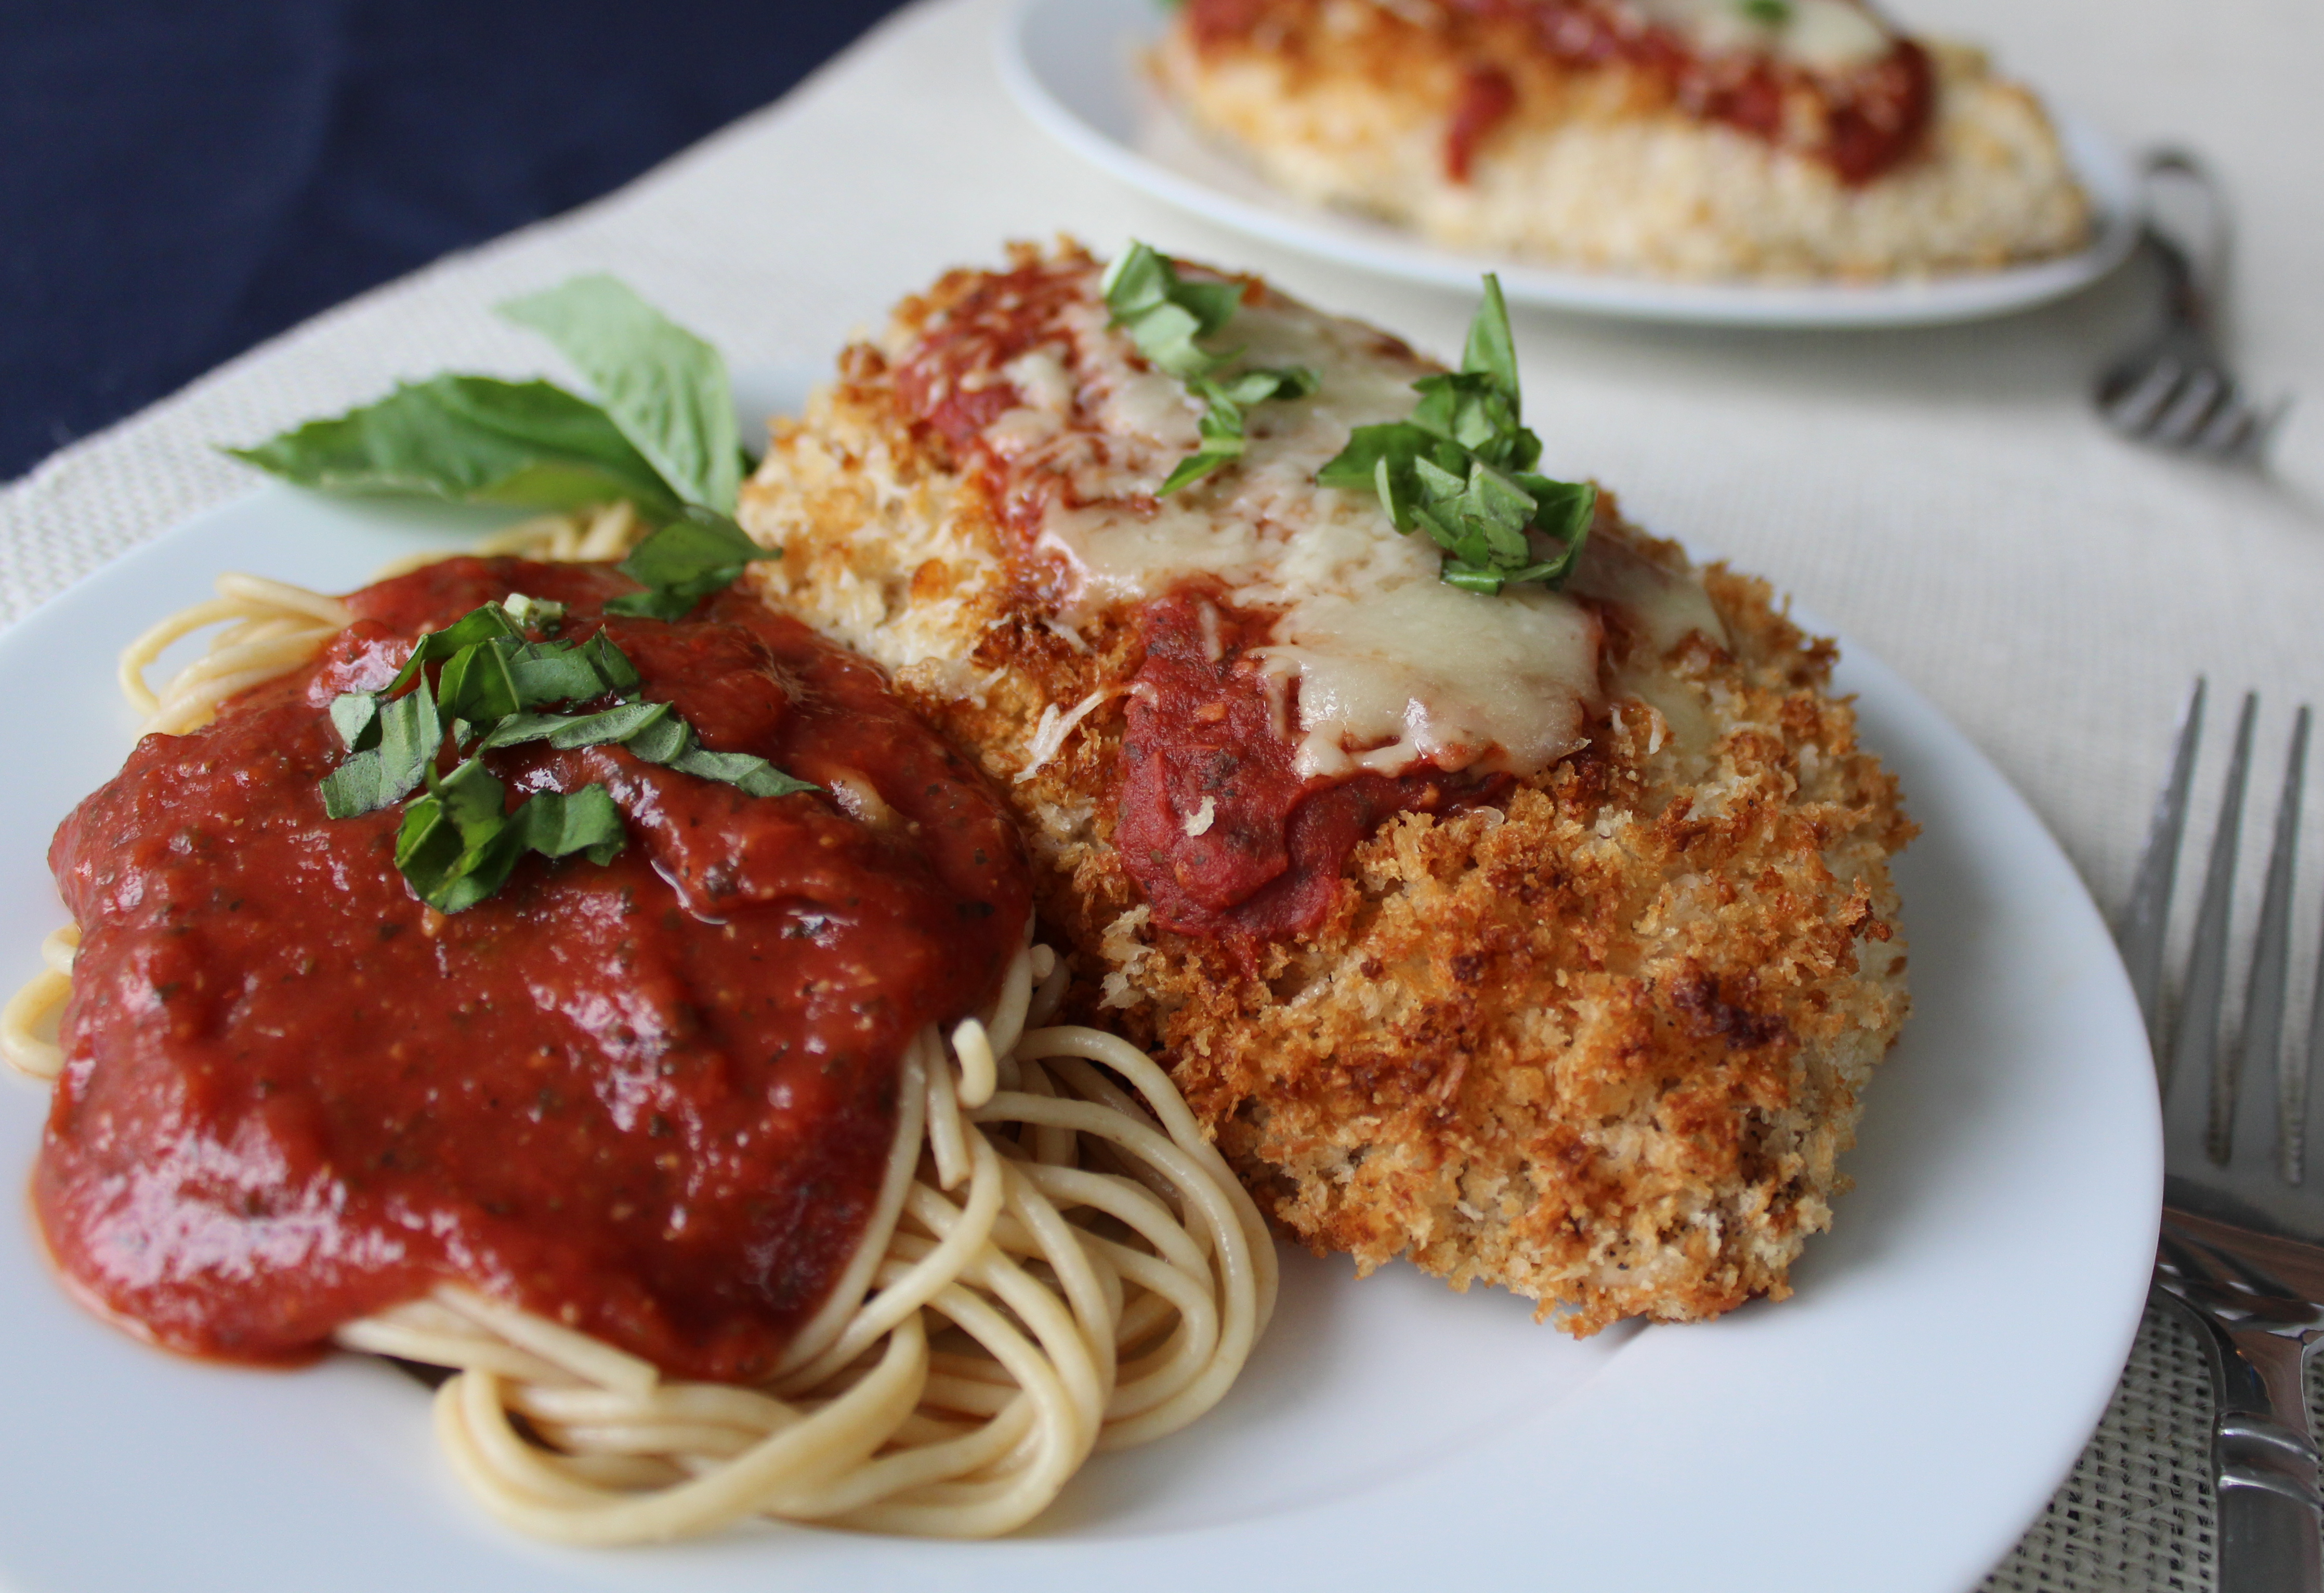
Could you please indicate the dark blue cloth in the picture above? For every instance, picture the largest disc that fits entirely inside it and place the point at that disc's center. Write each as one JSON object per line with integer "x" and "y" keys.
{"x": 179, "y": 181}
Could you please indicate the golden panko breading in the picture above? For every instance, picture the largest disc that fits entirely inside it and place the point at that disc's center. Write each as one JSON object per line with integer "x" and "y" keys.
{"x": 1599, "y": 1040}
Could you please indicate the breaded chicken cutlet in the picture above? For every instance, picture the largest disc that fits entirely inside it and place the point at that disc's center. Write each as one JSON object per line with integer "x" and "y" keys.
{"x": 1682, "y": 138}
{"x": 1545, "y": 937}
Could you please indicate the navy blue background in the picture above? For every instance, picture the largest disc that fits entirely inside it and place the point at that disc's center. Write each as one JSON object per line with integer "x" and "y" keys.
{"x": 181, "y": 178}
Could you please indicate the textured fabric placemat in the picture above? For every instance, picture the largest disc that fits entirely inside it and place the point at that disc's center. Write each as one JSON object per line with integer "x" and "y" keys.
{"x": 1944, "y": 496}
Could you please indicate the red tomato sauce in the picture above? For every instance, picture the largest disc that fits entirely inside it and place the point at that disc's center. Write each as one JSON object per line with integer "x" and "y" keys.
{"x": 652, "y": 1100}
{"x": 1215, "y": 823}
{"x": 1869, "y": 119}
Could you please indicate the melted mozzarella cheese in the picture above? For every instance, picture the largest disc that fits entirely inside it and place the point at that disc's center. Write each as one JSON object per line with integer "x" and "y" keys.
{"x": 1392, "y": 667}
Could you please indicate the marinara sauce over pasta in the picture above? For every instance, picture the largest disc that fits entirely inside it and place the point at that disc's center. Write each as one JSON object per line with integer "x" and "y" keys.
{"x": 653, "y": 1099}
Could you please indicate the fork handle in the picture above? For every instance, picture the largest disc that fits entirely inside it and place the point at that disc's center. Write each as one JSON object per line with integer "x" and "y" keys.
{"x": 2271, "y": 1515}
{"x": 2190, "y": 236}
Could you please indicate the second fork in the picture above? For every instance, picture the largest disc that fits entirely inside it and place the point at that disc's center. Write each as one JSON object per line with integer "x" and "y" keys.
{"x": 2242, "y": 1243}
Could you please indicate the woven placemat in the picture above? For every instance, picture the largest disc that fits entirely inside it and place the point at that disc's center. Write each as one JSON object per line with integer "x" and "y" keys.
{"x": 1945, "y": 496}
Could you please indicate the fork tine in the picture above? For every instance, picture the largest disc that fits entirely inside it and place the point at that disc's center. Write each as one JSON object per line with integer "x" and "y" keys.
{"x": 2195, "y": 1048}
{"x": 2229, "y": 432}
{"x": 2135, "y": 407}
{"x": 2180, "y": 423}
{"x": 2146, "y": 921}
{"x": 2259, "y": 1057}
{"x": 2313, "y": 1099}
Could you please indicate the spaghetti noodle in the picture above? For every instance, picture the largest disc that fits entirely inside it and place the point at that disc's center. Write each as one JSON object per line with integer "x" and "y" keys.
{"x": 1056, "y": 1262}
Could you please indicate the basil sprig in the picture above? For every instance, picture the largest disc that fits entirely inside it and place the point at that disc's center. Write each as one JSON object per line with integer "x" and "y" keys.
{"x": 692, "y": 556}
{"x": 457, "y": 842}
{"x": 472, "y": 439}
{"x": 1166, "y": 318}
{"x": 1462, "y": 469}
{"x": 664, "y": 388}
{"x": 663, "y": 437}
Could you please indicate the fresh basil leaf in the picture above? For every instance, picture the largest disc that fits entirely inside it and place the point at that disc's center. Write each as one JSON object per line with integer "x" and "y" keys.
{"x": 408, "y": 735}
{"x": 480, "y": 624}
{"x": 654, "y": 603}
{"x": 613, "y": 666}
{"x": 557, "y": 825}
{"x": 687, "y": 549}
{"x": 1256, "y": 386}
{"x": 427, "y": 847}
{"x": 471, "y": 439}
{"x": 664, "y": 387}
{"x": 685, "y": 562}
{"x": 1140, "y": 278}
{"x": 1492, "y": 351}
{"x": 1165, "y": 336}
{"x": 456, "y": 847}
{"x": 1353, "y": 468}
{"x": 567, "y": 731}
{"x": 476, "y": 684}
{"x": 356, "y": 716}
{"x": 1222, "y": 424}
{"x": 1212, "y": 304}
{"x": 1193, "y": 468}
{"x": 671, "y": 742}
{"x": 1162, "y": 315}
{"x": 1566, "y": 511}
{"x": 554, "y": 672}
{"x": 621, "y": 724}
{"x": 755, "y": 776}
{"x": 1462, "y": 468}
{"x": 473, "y": 800}
{"x": 662, "y": 742}
{"x": 1467, "y": 409}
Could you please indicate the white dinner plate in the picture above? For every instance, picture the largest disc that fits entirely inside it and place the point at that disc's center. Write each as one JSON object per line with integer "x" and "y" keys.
{"x": 1893, "y": 1426}
{"x": 1073, "y": 66}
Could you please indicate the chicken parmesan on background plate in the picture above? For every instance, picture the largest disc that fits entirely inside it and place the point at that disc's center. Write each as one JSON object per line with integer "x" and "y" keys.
{"x": 1647, "y": 175}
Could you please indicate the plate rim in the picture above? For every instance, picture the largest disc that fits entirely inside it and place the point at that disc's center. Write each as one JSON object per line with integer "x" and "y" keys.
{"x": 1293, "y": 224}
{"x": 1607, "y": 1410}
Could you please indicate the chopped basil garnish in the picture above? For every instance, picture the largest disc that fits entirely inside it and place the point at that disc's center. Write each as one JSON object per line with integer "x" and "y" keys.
{"x": 1221, "y": 423}
{"x": 390, "y": 756}
{"x": 456, "y": 844}
{"x": 1462, "y": 469}
{"x": 1165, "y": 318}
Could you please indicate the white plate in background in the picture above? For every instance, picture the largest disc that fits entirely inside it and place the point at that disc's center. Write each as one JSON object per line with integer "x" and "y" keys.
{"x": 1895, "y": 1425}
{"x": 1072, "y": 65}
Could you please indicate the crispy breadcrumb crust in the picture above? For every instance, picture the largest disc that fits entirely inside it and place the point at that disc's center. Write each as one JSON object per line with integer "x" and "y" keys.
{"x": 1601, "y": 1044}
{"x": 1347, "y": 103}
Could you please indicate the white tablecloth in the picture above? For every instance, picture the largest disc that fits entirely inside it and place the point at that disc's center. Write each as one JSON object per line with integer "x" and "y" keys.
{"x": 1946, "y": 497}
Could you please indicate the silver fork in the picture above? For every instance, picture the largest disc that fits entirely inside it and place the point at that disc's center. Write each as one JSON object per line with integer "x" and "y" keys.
{"x": 2242, "y": 1243}
{"x": 2174, "y": 389}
